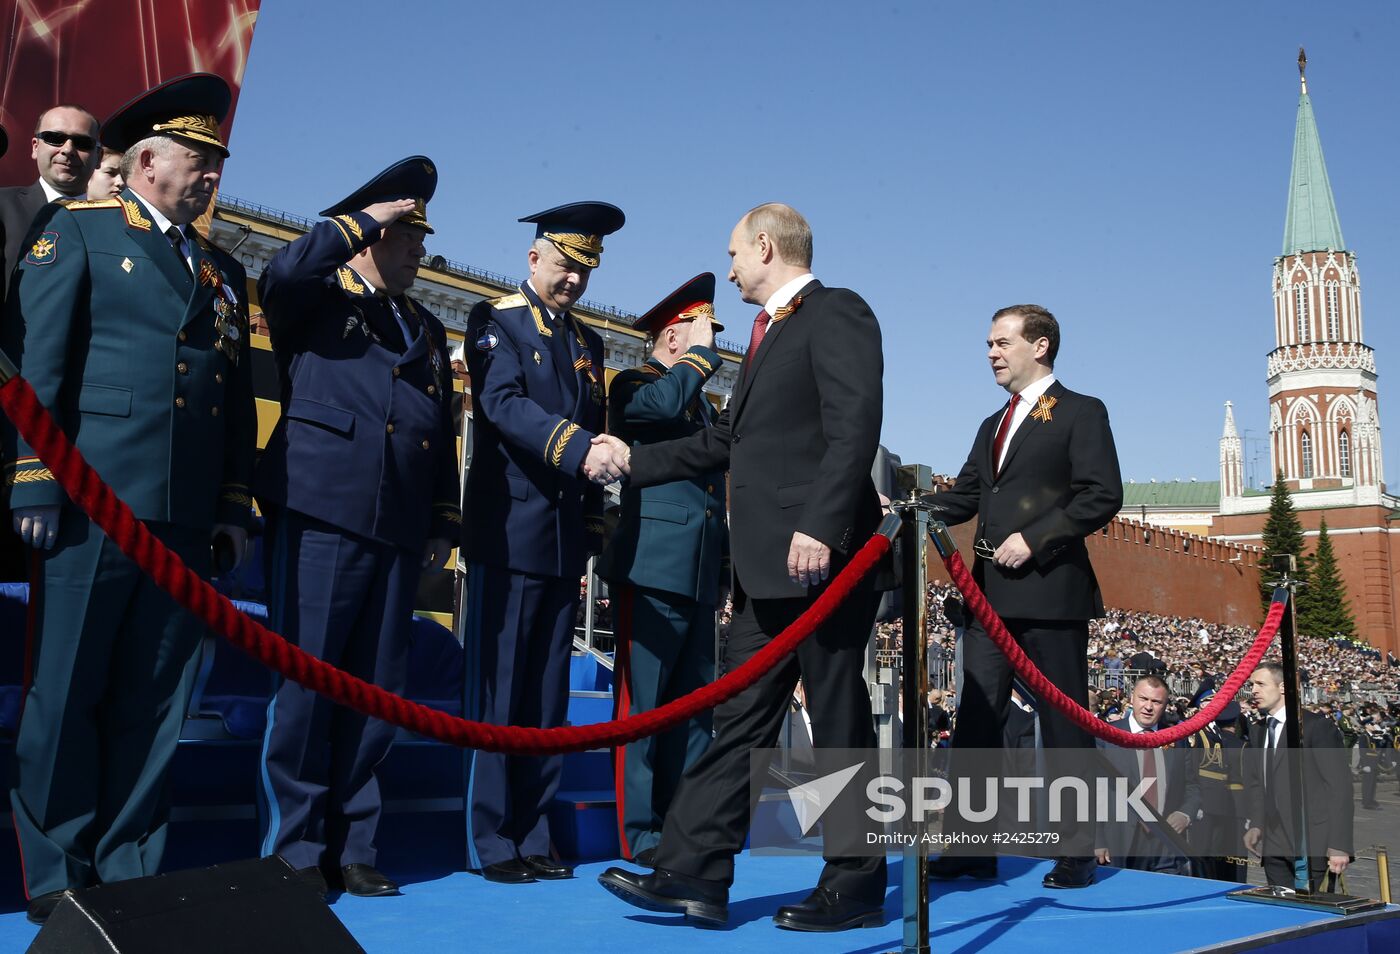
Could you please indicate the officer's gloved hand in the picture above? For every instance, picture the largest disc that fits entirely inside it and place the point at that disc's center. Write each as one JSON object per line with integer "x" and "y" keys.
{"x": 37, "y": 526}
{"x": 228, "y": 542}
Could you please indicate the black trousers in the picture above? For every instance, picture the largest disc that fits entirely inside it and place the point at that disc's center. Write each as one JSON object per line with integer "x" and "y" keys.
{"x": 713, "y": 807}
{"x": 1059, "y": 648}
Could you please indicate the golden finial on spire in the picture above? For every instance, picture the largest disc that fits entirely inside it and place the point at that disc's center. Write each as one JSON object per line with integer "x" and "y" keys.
{"x": 1303, "y": 69}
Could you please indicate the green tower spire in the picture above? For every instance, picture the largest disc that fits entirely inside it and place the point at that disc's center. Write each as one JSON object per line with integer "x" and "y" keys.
{"x": 1312, "y": 224}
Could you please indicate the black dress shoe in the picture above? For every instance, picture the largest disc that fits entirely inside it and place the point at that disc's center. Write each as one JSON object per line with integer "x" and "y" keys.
{"x": 705, "y": 901}
{"x": 646, "y": 858}
{"x": 366, "y": 881}
{"x": 827, "y": 910}
{"x": 1071, "y": 873}
{"x": 313, "y": 877}
{"x": 950, "y": 867}
{"x": 41, "y": 906}
{"x": 546, "y": 869}
{"x": 508, "y": 872}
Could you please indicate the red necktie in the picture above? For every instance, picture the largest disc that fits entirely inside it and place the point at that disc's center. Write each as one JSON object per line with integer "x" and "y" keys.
{"x": 1149, "y": 775}
{"x": 1002, "y": 432}
{"x": 760, "y": 328}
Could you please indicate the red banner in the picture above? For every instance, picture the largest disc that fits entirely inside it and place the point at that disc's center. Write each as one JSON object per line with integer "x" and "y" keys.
{"x": 100, "y": 53}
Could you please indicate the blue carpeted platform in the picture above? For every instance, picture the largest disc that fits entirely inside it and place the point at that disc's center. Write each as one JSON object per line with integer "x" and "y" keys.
{"x": 1148, "y": 913}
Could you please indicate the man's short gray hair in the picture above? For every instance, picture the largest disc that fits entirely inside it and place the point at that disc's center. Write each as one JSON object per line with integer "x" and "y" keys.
{"x": 786, "y": 228}
{"x": 160, "y": 145}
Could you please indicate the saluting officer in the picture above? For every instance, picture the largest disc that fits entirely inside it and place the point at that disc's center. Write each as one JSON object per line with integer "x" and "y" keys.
{"x": 664, "y": 559}
{"x": 359, "y": 485}
{"x": 132, "y": 329}
{"x": 533, "y": 519}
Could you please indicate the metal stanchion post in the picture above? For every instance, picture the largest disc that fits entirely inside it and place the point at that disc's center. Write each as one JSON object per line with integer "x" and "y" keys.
{"x": 914, "y": 546}
{"x": 1383, "y": 872}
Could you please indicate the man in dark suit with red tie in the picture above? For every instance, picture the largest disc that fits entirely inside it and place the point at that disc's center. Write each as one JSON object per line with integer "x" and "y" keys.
{"x": 1174, "y": 791}
{"x": 799, "y": 438}
{"x": 1042, "y": 475}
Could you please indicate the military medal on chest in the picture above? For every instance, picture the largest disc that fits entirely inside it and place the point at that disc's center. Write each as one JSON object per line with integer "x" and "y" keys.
{"x": 228, "y": 323}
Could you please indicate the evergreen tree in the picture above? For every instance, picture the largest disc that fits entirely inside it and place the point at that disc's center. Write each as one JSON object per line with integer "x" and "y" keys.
{"x": 1325, "y": 613}
{"x": 1282, "y": 534}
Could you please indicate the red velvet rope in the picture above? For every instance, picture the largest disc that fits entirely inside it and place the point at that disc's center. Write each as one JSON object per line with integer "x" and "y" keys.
{"x": 86, "y": 489}
{"x": 1045, "y": 689}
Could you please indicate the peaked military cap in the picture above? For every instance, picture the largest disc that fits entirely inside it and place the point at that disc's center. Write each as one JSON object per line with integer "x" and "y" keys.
{"x": 1230, "y": 713}
{"x": 577, "y": 229}
{"x": 412, "y": 178}
{"x": 188, "y": 107}
{"x": 695, "y": 300}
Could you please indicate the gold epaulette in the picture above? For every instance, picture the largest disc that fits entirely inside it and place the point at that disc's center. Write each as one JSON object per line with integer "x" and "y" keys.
{"x": 93, "y": 204}
{"x": 449, "y": 512}
{"x": 515, "y": 300}
{"x": 134, "y": 217}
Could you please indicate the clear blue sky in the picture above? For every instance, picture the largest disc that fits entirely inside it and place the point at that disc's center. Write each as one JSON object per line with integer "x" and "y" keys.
{"x": 1125, "y": 164}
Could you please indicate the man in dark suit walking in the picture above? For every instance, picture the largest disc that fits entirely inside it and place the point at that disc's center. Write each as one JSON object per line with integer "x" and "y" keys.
{"x": 664, "y": 561}
{"x": 1327, "y": 791}
{"x": 799, "y": 438}
{"x": 1042, "y": 475}
{"x": 1175, "y": 794}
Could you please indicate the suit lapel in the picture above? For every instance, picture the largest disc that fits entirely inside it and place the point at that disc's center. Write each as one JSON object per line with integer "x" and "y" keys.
{"x": 765, "y": 348}
{"x": 1032, "y": 425}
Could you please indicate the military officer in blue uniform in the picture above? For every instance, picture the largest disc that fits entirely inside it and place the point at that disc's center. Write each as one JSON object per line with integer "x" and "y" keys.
{"x": 133, "y": 330}
{"x": 533, "y": 518}
{"x": 359, "y": 485}
{"x": 663, "y": 563}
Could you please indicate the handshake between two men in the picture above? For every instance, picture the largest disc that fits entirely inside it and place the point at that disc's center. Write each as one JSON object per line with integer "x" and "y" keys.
{"x": 607, "y": 460}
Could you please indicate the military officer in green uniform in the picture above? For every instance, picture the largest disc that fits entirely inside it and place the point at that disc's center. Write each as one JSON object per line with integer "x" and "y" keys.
{"x": 664, "y": 560}
{"x": 132, "y": 329}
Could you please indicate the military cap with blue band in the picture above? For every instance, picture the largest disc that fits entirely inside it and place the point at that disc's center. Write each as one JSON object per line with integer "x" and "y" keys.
{"x": 695, "y": 300}
{"x": 577, "y": 229}
{"x": 412, "y": 178}
{"x": 188, "y": 107}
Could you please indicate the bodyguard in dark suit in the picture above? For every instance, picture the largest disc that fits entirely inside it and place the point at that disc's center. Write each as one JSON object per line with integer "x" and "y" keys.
{"x": 65, "y": 150}
{"x": 1175, "y": 794}
{"x": 134, "y": 338}
{"x": 359, "y": 486}
{"x": 663, "y": 563}
{"x": 533, "y": 520}
{"x": 1042, "y": 475}
{"x": 1327, "y": 790}
{"x": 799, "y": 438}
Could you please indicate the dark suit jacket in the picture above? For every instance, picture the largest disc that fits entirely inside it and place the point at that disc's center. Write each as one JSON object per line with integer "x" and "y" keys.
{"x": 1183, "y": 792}
{"x": 1058, "y": 484}
{"x": 798, "y": 438}
{"x": 1326, "y": 785}
{"x": 18, "y": 206}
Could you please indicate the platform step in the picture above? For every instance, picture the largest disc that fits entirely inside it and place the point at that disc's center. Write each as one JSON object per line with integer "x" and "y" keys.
{"x": 583, "y": 823}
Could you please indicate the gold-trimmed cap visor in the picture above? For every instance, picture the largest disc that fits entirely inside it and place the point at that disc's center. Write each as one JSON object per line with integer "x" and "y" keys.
{"x": 188, "y": 107}
{"x": 693, "y": 301}
{"x": 413, "y": 178}
{"x": 577, "y": 229}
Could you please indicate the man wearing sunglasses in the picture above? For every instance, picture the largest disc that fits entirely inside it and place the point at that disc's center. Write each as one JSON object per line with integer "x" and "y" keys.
{"x": 65, "y": 150}
{"x": 1042, "y": 475}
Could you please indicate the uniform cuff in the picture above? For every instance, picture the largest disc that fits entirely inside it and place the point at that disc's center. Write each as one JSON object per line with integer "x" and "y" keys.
{"x": 358, "y": 229}
{"x": 701, "y": 359}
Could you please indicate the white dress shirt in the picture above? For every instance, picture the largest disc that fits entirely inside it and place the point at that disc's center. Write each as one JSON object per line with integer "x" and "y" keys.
{"x": 1030, "y": 394}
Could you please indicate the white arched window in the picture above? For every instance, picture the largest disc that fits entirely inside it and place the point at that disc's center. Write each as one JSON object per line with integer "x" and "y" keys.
{"x": 1305, "y": 445}
{"x": 1300, "y": 309}
{"x": 1344, "y": 453}
{"x": 1334, "y": 319}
